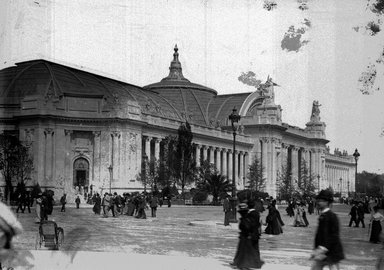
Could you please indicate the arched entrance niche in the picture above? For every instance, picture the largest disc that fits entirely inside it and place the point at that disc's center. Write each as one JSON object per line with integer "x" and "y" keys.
{"x": 81, "y": 174}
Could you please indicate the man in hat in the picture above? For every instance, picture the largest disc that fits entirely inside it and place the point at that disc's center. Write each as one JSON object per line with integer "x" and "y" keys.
{"x": 227, "y": 210}
{"x": 328, "y": 250}
{"x": 9, "y": 227}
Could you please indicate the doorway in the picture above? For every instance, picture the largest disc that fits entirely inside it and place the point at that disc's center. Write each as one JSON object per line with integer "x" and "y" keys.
{"x": 81, "y": 174}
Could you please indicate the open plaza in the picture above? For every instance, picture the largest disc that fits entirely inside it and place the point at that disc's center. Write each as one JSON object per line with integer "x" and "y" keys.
{"x": 180, "y": 237}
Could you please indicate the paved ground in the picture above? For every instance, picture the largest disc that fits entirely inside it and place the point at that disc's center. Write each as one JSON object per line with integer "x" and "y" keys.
{"x": 181, "y": 237}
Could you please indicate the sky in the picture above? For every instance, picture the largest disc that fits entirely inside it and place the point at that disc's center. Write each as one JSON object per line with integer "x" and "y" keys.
{"x": 313, "y": 49}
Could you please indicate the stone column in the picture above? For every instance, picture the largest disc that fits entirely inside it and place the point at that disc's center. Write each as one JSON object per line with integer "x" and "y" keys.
{"x": 148, "y": 147}
{"x": 295, "y": 164}
{"x": 284, "y": 156}
{"x": 264, "y": 156}
{"x": 224, "y": 168}
{"x": 157, "y": 149}
{"x": 273, "y": 165}
{"x": 305, "y": 155}
{"x": 115, "y": 154}
{"x": 211, "y": 155}
{"x": 205, "y": 148}
{"x": 218, "y": 159}
{"x": 197, "y": 149}
{"x": 48, "y": 160}
{"x": 230, "y": 165}
{"x": 246, "y": 167}
{"x": 241, "y": 171}
{"x": 96, "y": 157}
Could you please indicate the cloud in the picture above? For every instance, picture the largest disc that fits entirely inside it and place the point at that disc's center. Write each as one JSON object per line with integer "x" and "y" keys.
{"x": 249, "y": 78}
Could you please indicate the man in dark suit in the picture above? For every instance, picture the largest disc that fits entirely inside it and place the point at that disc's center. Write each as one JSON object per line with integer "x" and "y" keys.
{"x": 227, "y": 210}
{"x": 360, "y": 215}
{"x": 328, "y": 248}
{"x": 353, "y": 214}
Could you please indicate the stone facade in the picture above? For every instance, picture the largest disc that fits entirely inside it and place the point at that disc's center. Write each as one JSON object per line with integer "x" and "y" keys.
{"x": 91, "y": 132}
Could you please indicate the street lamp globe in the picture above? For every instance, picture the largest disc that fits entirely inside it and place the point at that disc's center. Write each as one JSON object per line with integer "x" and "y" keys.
{"x": 356, "y": 155}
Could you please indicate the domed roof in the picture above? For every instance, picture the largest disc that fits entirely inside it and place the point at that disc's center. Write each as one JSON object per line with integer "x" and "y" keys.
{"x": 190, "y": 99}
{"x": 43, "y": 78}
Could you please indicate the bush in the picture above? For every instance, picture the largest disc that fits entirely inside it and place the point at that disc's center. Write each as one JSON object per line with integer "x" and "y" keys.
{"x": 248, "y": 194}
{"x": 200, "y": 196}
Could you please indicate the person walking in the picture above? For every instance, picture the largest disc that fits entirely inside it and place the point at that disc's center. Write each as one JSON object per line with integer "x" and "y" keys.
{"x": 169, "y": 202}
{"x": 375, "y": 225}
{"x": 273, "y": 220}
{"x": 227, "y": 210}
{"x": 248, "y": 254}
{"x": 77, "y": 201}
{"x": 112, "y": 202}
{"x": 353, "y": 214}
{"x": 328, "y": 250}
{"x": 63, "y": 201}
{"x": 97, "y": 206}
{"x": 20, "y": 202}
{"x": 304, "y": 214}
{"x": 310, "y": 206}
{"x": 131, "y": 206}
{"x": 141, "y": 207}
{"x": 360, "y": 215}
{"x": 38, "y": 207}
{"x": 298, "y": 221}
{"x": 153, "y": 204}
{"x": 105, "y": 203}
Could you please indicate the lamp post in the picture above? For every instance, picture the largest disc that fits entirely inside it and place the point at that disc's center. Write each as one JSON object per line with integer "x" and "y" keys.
{"x": 234, "y": 117}
{"x": 341, "y": 184}
{"x": 356, "y": 155}
{"x": 348, "y": 188}
{"x": 110, "y": 169}
{"x": 318, "y": 182}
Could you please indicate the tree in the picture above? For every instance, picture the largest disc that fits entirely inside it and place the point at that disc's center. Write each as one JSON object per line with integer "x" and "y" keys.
{"x": 16, "y": 163}
{"x": 204, "y": 172}
{"x": 166, "y": 166}
{"x": 185, "y": 164}
{"x": 285, "y": 187}
{"x": 216, "y": 185}
{"x": 305, "y": 182}
{"x": 256, "y": 177}
{"x": 149, "y": 174}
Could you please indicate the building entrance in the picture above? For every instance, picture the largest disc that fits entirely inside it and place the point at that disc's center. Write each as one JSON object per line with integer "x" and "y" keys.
{"x": 81, "y": 174}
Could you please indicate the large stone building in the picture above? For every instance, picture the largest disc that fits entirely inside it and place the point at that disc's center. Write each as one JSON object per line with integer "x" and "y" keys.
{"x": 91, "y": 131}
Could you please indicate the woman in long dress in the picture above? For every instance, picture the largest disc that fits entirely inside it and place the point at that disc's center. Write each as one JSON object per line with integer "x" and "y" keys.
{"x": 298, "y": 222}
{"x": 376, "y": 228}
{"x": 38, "y": 208}
{"x": 97, "y": 206}
{"x": 248, "y": 253}
{"x": 274, "y": 221}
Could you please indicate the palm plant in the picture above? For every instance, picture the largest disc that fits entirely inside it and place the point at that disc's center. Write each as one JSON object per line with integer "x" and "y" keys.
{"x": 215, "y": 185}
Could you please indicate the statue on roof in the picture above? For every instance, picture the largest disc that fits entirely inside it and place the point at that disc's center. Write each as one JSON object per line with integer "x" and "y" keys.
{"x": 266, "y": 90}
{"x": 315, "y": 116}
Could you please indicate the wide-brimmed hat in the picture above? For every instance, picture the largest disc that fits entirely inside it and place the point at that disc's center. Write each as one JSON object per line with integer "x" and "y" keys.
{"x": 243, "y": 207}
{"x": 325, "y": 195}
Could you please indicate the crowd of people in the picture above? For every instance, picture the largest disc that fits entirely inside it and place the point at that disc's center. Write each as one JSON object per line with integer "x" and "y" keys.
{"x": 327, "y": 251}
{"x": 127, "y": 204}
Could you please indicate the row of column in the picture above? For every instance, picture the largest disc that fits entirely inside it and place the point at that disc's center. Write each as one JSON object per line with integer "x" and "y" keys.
{"x": 312, "y": 157}
{"x": 222, "y": 158}
{"x": 339, "y": 178}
